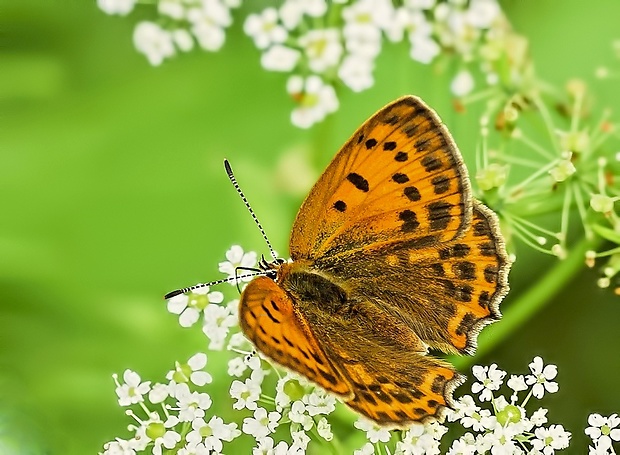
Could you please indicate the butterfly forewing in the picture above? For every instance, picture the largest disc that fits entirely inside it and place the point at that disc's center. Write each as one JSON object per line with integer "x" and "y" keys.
{"x": 399, "y": 177}
{"x": 271, "y": 321}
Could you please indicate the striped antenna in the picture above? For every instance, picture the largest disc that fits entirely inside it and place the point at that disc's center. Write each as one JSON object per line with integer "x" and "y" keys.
{"x": 213, "y": 283}
{"x": 233, "y": 180}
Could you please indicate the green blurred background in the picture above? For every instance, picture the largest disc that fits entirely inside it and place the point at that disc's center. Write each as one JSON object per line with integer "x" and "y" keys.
{"x": 113, "y": 193}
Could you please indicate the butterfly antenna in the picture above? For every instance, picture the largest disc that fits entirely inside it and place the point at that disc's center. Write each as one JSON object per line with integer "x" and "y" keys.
{"x": 213, "y": 283}
{"x": 233, "y": 180}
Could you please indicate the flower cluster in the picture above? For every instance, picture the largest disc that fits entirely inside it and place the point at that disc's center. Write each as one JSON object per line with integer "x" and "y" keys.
{"x": 323, "y": 44}
{"x": 281, "y": 413}
{"x": 572, "y": 169}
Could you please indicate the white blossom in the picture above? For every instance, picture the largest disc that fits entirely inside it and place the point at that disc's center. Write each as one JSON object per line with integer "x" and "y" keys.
{"x": 246, "y": 393}
{"x": 132, "y": 391}
{"x": 261, "y": 424}
{"x": 356, "y": 72}
{"x": 603, "y": 430}
{"x": 462, "y": 84}
{"x": 374, "y": 433}
{"x": 322, "y": 48}
{"x": 120, "y": 7}
{"x": 280, "y": 58}
{"x": 541, "y": 378}
{"x": 315, "y": 100}
{"x": 548, "y": 440}
{"x": 212, "y": 433}
{"x": 265, "y": 29}
{"x": 491, "y": 379}
{"x": 236, "y": 257}
{"x": 153, "y": 41}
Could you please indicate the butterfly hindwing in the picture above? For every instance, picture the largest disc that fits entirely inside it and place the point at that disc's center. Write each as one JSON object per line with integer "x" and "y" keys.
{"x": 393, "y": 382}
{"x": 399, "y": 177}
{"x": 270, "y": 320}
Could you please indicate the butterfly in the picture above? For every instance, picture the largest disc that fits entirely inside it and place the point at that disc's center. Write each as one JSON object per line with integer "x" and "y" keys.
{"x": 390, "y": 256}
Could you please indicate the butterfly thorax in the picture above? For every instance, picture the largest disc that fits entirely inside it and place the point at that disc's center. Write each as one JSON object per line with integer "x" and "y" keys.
{"x": 306, "y": 284}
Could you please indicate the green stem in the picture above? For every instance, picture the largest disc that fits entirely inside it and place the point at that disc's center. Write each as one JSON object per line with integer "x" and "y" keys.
{"x": 528, "y": 304}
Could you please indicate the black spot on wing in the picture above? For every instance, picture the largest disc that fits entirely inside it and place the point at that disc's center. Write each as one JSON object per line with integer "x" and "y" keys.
{"x": 341, "y": 206}
{"x": 358, "y": 182}
{"x": 439, "y": 215}
{"x": 401, "y": 156}
{"x": 441, "y": 184}
{"x": 400, "y": 178}
{"x": 390, "y": 145}
{"x": 370, "y": 143}
{"x": 431, "y": 163}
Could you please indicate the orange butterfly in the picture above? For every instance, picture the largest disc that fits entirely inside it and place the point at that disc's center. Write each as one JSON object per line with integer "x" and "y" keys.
{"x": 391, "y": 256}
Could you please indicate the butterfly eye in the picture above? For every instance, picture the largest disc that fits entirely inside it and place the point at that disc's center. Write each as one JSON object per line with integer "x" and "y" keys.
{"x": 272, "y": 274}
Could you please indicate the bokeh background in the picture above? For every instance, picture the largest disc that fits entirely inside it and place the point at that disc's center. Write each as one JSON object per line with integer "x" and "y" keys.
{"x": 113, "y": 193}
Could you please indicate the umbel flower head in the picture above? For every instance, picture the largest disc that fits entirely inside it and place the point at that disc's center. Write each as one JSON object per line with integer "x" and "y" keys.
{"x": 322, "y": 44}
{"x": 281, "y": 412}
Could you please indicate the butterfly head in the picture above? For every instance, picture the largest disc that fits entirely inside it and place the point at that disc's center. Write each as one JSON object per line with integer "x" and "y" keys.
{"x": 271, "y": 268}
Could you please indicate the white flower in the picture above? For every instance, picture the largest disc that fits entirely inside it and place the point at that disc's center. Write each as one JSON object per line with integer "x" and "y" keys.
{"x": 158, "y": 393}
{"x": 292, "y": 11}
{"x": 464, "y": 406}
{"x": 247, "y": 394}
{"x": 262, "y": 424}
{"x": 192, "y": 405}
{"x": 417, "y": 440}
{"x": 423, "y": 49}
{"x": 462, "y": 84}
{"x": 324, "y": 429}
{"x": 315, "y": 100}
{"x": 212, "y": 434}
{"x": 191, "y": 371}
{"x": 298, "y": 415}
{"x": 319, "y": 402}
{"x": 300, "y": 441}
{"x": 119, "y": 447}
{"x": 217, "y": 322}
{"x": 356, "y": 72}
{"x": 208, "y": 23}
{"x": 183, "y": 39}
{"x": 549, "y": 440}
{"x": 266, "y": 447}
{"x": 539, "y": 417}
{"x": 502, "y": 442}
{"x": 541, "y": 378}
{"x": 236, "y": 367}
{"x": 235, "y": 257}
{"x": 363, "y": 22}
{"x": 280, "y": 58}
{"x": 374, "y": 433}
{"x": 322, "y": 47}
{"x": 120, "y": 7}
{"x": 367, "y": 449}
{"x": 264, "y": 28}
{"x": 490, "y": 378}
{"x": 482, "y": 13}
{"x": 465, "y": 445}
{"x": 189, "y": 307}
{"x": 171, "y": 8}
{"x": 156, "y": 430}
{"x": 237, "y": 341}
{"x": 132, "y": 390}
{"x": 153, "y": 41}
{"x": 603, "y": 430}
